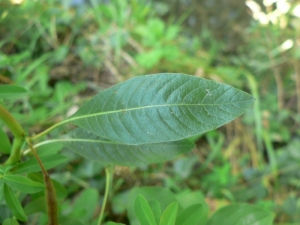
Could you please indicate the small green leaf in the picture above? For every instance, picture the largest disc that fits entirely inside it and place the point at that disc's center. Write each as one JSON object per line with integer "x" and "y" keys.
{"x": 51, "y": 148}
{"x": 143, "y": 211}
{"x": 5, "y": 145}
{"x": 186, "y": 200}
{"x": 61, "y": 191}
{"x": 14, "y": 204}
{"x": 87, "y": 200}
{"x": 31, "y": 165}
{"x": 241, "y": 214}
{"x": 11, "y": 91}
{"x": 155, "y": 207}
{"x": 161, "y": 108}
{"x": 35, "y": 206}
{"x": 107, "y": 152}
{"x": 162, "y": 195}
{"x": 191, "y": 215}
{"x": 10, "y": 221}
{"x": 22, "y": 184}
{"x": 37, "y": 177}
{"x": 169, "y": 215}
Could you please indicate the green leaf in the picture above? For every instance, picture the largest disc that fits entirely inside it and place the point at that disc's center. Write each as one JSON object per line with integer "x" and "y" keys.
{"x": 169, "y": 215}
{"x": 5, "y": 145}
{"x": 161, "y": 108}
{"x": 87, "y": 200}
{"x": 22, "y": 184}
{"x": 162, "y": 195}
{"x": 143, "y": 211}
{"x": 241, "y": 214}
{"x": 156, "y": 210}
{"x": 93, "y": 147}
{"x": 191, "y": 215}
{"x": 14, "y": 204}
{"x": 31, "y": 165}
{"x": 186, "y": 200}
{"x": 11, "y": 91}
{"x": 10, "y": 221}
{"x": 49, "y": 148}
{"x": 61, "y": 191}
{"x": 36, "y": 205}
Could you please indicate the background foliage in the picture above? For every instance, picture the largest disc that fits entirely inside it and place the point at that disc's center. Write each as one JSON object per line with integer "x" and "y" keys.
{"x": 63, "y": 52}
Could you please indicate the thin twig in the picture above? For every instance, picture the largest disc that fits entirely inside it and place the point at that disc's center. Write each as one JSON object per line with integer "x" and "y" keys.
{"x": 49, "y": 189}
{"x": 107, "y": 173}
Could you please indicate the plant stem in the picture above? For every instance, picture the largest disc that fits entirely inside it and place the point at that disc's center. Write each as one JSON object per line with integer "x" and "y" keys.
{"x": 11, "y": 122}
{"x": 17, "y": 131}
{"x": 15, "y": 154}
{"x": 49, "y": 129}
{"x": 107, "y": 182}
{"x": 49, "y": 189}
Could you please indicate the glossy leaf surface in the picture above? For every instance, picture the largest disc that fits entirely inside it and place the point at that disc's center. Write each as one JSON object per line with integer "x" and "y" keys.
{"x": 241, "y": 214}
{"x": 93, "y": 147}
{"x": 161, "y": 108}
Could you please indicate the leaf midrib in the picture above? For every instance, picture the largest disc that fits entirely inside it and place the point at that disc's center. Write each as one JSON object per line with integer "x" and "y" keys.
{"x": 144, "y": 107}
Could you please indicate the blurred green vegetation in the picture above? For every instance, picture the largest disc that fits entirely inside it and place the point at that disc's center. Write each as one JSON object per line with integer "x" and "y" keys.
{"x": 63, "y": 52}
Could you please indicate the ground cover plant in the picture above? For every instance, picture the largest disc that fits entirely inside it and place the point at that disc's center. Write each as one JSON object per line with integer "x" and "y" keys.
{"x": 144, "y": 120}
{"x": 63, "y": 52}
